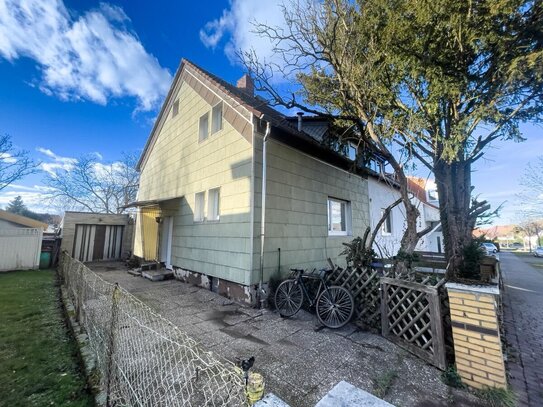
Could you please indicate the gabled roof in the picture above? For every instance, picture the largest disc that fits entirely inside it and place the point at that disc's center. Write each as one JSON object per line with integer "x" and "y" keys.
{"x": 22, "y": 220}
{"x": 245, "y": 105}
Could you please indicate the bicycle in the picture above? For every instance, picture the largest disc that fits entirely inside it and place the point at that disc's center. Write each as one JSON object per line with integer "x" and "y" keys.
{"x": 334, "y": 305}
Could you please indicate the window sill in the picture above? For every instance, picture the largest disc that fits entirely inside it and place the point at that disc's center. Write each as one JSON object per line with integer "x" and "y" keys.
{"x": 339, "y": 234}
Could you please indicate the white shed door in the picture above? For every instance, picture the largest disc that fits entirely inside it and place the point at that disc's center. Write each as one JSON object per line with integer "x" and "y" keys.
{"x": 98, "y": 242}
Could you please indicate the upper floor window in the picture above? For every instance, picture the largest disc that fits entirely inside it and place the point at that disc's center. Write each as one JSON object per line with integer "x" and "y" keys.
{"x": 339, "y": 217}
{"x": 432, "y": 195}
{"x": 175, "y": 108}
{"x": 216, "y": 118}
{"x": 387, "y": 224}
{"x": 204, "y": 127}
{"x": 199, "y": 205}
{"x": 213, "y": 204}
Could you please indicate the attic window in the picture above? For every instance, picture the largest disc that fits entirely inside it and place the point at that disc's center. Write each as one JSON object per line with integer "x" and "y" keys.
{"x": 175, "y": 108}
{"x": 216, "y": 118}
{"x": 204, "y": 127}
{"x": 432, "y": 195}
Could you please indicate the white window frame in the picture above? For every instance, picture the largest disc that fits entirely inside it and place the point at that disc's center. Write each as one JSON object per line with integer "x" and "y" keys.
{"x": 352, "y": 147}
{"x": 215, "y": 127}
{"x": 347, "y": 214}
{"x": 203, "y": 130}
{"x": 386, "y": 229}
{"x": 214, "y": 204}
{"x": 199, "y": 206}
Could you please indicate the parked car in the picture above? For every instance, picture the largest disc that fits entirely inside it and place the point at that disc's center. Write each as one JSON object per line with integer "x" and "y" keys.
{"x": 538, "y": 252}
{"x": 517, "y": 245}
{"x": 490, "y": 248}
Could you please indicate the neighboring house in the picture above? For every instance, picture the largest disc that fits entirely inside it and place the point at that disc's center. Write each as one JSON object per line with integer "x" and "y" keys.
{"x": 206, "y": 174}
{"x": 20, "y": 241}
{"x": 97, "y": 236}
{"x": 383, "y": 191}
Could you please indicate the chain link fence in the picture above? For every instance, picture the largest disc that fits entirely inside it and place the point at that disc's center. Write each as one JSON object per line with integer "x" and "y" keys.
{"x": 143, "y": 359}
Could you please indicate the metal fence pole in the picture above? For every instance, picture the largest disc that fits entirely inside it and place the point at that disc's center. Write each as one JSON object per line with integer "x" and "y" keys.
{"x": 111, "y": 342}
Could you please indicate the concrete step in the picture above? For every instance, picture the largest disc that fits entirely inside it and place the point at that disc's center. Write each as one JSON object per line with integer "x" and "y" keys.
{"x": 342, "y": 395}
{"x": 157, "y": 275}
{"x": 346, "y": 395}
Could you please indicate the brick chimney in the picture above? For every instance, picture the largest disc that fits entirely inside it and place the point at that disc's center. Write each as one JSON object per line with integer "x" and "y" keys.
{"x": 246, "y": 84}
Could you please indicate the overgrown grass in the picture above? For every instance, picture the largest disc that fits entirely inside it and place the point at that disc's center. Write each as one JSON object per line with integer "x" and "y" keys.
{"x": 494, "y": 397}
{"x": 451, "y": 378}
{"x": 383, "y": 382}
{"x": 38, "y": 365}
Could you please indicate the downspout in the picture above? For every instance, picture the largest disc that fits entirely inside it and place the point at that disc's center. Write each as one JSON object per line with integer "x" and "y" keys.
{"x": 263, "y": 214}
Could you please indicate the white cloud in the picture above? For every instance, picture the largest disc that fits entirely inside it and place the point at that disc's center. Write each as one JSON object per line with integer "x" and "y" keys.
{"x": 58, "y": 162}
{"x": 94, "y": 56}
{"x": 235, "y": 28}
{"x": 33, "y": 196}
{"x": 8, "y": 158}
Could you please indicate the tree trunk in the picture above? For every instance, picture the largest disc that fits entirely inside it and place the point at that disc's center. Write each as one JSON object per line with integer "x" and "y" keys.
{"x": 453, "y": 182}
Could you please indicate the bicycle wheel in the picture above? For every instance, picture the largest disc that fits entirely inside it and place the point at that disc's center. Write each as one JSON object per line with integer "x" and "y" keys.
{"x": 288, "y": 298}
{"x": 335, "y": 307}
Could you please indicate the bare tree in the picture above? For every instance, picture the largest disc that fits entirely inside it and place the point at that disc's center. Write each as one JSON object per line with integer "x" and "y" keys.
{"x": 94, "y": 186}
{"x": 14, "y": 164}
{"x": 529, "y": 229}
{"x": 531, "y": 198}
{"x": 441, "y": 79}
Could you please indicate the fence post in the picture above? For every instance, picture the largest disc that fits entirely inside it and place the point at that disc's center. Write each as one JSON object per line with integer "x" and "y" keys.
{"x": 111, "y": 341}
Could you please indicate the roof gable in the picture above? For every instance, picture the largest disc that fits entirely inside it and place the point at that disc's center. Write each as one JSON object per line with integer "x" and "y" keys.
{"x": 22, "y": 220}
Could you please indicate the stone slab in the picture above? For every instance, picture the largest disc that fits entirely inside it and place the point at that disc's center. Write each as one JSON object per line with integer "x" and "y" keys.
{"x": 160, "y": 275}
{"x": 346, "y": 395}
{"x": 271, "y": 400}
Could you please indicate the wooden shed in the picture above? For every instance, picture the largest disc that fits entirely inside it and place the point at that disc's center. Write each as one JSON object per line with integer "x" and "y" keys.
{"x": 97, "y": 236}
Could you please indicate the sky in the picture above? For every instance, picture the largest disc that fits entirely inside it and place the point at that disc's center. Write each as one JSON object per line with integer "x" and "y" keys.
{"x": 86, "y": 77}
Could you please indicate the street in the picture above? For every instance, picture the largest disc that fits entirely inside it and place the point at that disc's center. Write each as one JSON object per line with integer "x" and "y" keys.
{"x": 523, "y": 305}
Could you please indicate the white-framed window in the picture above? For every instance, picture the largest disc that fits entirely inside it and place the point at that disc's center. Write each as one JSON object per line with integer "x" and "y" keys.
{"x": 213, "y": 204}
{"x": 432, "y": 195}
{"x": 175, "y": 108}
{"x": 216, "y": 118}
{"x": 199, "y": 206}
{"x": 351, "y": 151}
{"x": 339, "y": 217}
{"x": 387, "y": 224}
{"x": 204, "y": 127}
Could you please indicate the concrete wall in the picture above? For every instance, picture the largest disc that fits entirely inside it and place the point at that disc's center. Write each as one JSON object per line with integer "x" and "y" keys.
{"x": 298, "y": 187}
{"x": 71, "y": 219}
{"x": 180, "y": 166}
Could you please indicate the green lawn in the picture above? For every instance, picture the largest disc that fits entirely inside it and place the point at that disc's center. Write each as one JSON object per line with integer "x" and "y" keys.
{"x": 38, "y": 364}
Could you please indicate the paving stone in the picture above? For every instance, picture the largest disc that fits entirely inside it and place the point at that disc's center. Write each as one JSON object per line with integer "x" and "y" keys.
{"x": 299, "y": 361}
{"x": 523, "y": 302}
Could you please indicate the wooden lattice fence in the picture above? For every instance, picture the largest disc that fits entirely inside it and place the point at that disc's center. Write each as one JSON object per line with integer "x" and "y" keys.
{"x": 417, "y": 302}
{"x": 411, "y": 317}
{"x": 364, "y": 284}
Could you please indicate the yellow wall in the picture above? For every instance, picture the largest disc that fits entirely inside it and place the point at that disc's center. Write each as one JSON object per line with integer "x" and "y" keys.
{"x": 477, "y": 343}
{"x": 179, "y": 165}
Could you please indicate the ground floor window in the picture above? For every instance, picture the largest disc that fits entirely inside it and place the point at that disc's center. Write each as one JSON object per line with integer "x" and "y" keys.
{"x": 339, "y": 217}
{"x": 199, "y": 205}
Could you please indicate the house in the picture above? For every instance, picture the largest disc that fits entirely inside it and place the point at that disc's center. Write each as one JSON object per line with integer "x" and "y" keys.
{"x": 97, "y": 236}
{"x": 20, "y": 241}
{"x": 233, "y": 192}
{"x": 383, "y": 191}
